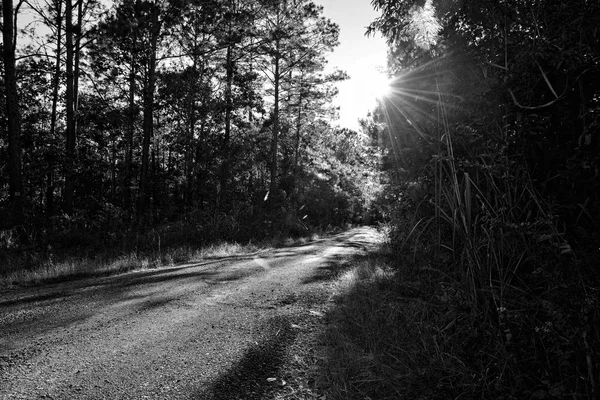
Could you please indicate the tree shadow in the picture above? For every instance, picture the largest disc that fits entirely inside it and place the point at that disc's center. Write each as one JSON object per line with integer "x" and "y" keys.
{"x": 33, "y": 299}
{"x": 114, "y": 291}
{"x": 256, "y": 375}
{"x": 132, "y": 280}
{"x": 333, "y": 268}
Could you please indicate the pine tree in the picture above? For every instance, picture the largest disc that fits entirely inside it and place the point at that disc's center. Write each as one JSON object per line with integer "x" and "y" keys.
{"x": 13, "y": 113}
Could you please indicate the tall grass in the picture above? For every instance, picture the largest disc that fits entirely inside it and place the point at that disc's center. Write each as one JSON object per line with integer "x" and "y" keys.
{"x": 38, "y": 266}
{"x": 498, "y": 221}
{"x": 28, "y": 269}
{"x": 77, "y": 247}
{"x": 387, "y": 339}
{"x": 510, "y": 262}
{"x": 486, "y": 298}
{"x": 485, "y": 316}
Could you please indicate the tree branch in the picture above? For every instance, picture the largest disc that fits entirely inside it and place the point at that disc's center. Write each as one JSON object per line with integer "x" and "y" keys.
{"x": 532, "y": 107}
{"x": 15, "y": 32}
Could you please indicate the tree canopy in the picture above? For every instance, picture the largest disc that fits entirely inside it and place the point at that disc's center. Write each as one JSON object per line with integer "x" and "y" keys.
{"x": 490, "y": 140}
{"x": 139, "y": 113}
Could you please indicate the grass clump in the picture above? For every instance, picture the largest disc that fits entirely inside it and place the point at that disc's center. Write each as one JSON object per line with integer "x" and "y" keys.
{"x": 407, "y": 326}
{"x": 390, "y": 338}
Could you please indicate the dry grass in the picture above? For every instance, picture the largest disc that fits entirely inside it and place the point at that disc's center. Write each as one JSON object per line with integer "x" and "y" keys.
{"x": 73, "y": 268}
{"x": 72, "y": 251}
{"x": 27, "y": 268}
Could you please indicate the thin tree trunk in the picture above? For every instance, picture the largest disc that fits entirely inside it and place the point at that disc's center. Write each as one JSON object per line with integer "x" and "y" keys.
{"x": 148, "y": 123}
{"x": 297, "y": 139}
{"x": 50, "y": 184}
{"x": 229, "y": 66}
{"x": 199, "y": 176}
{"x": 189, "y": 152}
{"x": 228, "y": 97}
{"x": 153, "y": 195}
{"x": 228, "y": 111}
{"x": 275, "y": 138}
{"x": 130, "y": 133}
{"x": 113, "y": 169}
{"x": 53, "y": 114}
{"x": 251, "y": 70}
{"x": 147, "y": 126}
{"x": 70, "y": 109}
{"x": 15, "y": 179}
{"x": 77, "y": 56}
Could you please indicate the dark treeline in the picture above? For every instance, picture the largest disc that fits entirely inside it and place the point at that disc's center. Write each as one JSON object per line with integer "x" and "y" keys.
{"x": 493, "y": 159}
{"x": 119, "y": 117}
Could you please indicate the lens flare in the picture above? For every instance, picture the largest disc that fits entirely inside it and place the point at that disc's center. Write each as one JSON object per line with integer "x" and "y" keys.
{"x": 413, "y": 108}
{"x": 380, "y": 86}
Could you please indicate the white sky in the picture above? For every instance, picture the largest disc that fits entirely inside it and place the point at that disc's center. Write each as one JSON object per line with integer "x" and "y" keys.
{"x": 358, "y": 55}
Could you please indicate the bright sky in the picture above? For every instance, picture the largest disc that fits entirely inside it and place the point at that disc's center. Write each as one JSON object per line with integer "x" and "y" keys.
{"x": 358, "y": 55}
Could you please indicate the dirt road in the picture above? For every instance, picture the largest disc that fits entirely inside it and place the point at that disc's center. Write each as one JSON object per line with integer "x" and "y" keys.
{"x": 215, "y": 329}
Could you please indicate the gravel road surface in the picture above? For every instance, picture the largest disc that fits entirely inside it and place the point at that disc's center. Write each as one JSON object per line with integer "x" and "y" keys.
{"x": 216, "y": 329}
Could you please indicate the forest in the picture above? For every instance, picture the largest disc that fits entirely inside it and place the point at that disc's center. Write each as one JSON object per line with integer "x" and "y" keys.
{"x": 492, "y": 157}
{"x": 142, "y": 124}
{"x": 194, "y": 120}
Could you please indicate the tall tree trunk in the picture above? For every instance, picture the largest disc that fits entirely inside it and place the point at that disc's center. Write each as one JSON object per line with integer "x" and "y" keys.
{"x": 297, "y": 139}
{"x": 189, "y": 152}
{"x": 200, "y": 169}
{"x": 148, "y": 127}
{"x": 275, "y": 137}
{"x": 77, "y": 56}
{"x": 251, "y": 70}
{"x": 113, "y": 168}
{"x": 70, "y": 109}
{"x": 130, "y": 131}
{"x": 15, "y": 179}
{"x": 224, "y": 175}
{"x": 148, "y": 123}
{"x": 53, "y": 114}
{"x": 229, "y": 66}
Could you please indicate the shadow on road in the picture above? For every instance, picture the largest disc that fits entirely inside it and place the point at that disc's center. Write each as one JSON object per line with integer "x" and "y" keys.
{"x": 333, "y": 268}
{"x": 76, "y": 283}
{"x": 257, "y": 374}
{"x": 135, "y": 279}
{"x": 33, "y": 299}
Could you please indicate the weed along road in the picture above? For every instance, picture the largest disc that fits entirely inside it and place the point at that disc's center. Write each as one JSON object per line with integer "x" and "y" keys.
{"x": 223, "y": 328}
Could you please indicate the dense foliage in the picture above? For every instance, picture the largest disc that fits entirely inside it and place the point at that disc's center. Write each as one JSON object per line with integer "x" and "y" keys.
{"x": 212, "y": 116}
{"x": 492, "y": 153}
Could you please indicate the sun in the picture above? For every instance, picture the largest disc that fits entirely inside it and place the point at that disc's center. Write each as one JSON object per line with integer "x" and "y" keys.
{"x": 363, "y": 92}
{"x": 380, "y": 86}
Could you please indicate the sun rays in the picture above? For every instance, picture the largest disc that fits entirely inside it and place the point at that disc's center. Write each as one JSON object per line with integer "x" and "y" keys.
{"x": 414, "y": 100}
{"x": 381, "y": 86}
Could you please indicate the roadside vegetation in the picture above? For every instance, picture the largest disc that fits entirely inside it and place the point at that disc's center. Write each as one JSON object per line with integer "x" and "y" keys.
{"x": 404, "y": 324}
{"x": 140, "y": 133}
{"x": 45, "y": 266}
{"x": 488, "y": 286}
{"x": 483, "y": 164}
{"x": 156, "y": 248}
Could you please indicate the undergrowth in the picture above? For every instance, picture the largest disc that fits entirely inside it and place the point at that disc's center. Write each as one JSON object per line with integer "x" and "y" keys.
{"x": 389, "y": 337}
{"x": 405, "y": 328}
{"x": 491, "y": 288}
{"x": 92, "y": 255}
